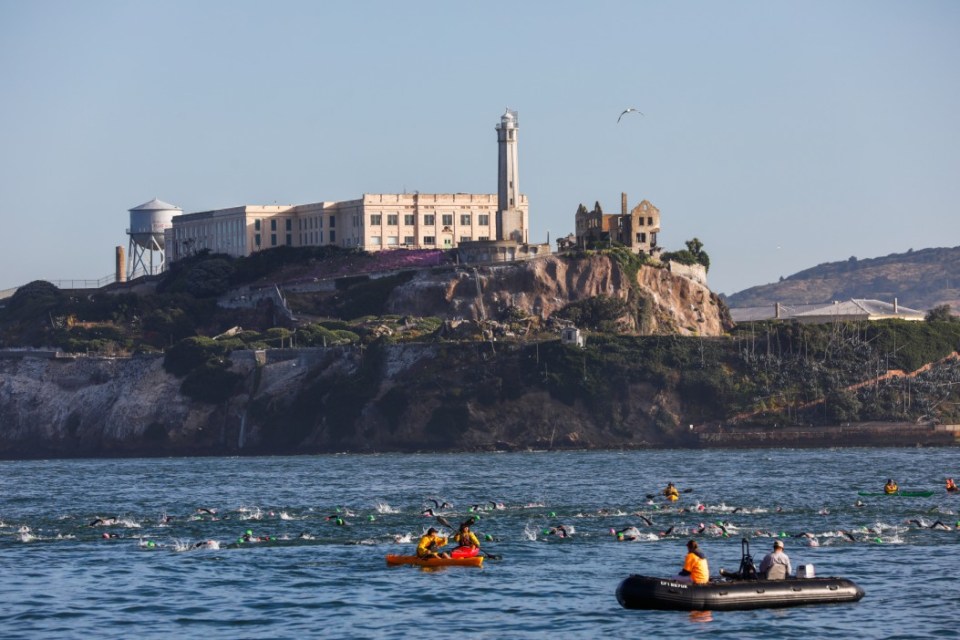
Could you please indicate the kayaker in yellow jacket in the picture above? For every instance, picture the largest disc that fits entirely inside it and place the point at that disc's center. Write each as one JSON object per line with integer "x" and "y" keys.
{"x": 891, "y": 487}
{"x": 466, "y": 538}
{"x": 671, "y": 492}
{"x": 429, "y": 545}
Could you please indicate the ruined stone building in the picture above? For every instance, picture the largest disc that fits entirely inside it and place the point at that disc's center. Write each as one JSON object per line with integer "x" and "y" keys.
{"x": 636, "y": 229}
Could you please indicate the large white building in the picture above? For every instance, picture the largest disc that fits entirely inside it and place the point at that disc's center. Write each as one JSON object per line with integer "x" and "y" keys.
{"x": 374, "y": 222}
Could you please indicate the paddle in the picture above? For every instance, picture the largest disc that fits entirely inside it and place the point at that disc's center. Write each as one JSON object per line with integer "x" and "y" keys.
{"x": 469, "y": 522}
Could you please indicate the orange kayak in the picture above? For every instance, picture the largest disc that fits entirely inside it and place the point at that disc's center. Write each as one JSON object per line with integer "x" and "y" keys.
{"x": 476, "y": 561}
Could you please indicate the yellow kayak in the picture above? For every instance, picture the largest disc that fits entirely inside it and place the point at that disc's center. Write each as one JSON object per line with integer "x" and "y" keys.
{"x": 476, "y": 561}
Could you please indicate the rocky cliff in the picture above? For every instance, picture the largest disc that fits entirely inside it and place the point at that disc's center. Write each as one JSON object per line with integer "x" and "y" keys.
{"x": 670, "y": 304}
{"x": 386, "y": 397}
{"x": 420, "y": 397}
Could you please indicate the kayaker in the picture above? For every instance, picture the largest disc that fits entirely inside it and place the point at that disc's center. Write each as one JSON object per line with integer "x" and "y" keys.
{"x": 952, "y": 486}
{"x": 891, "y": 487}
{"x": 696, "y": 569}
{"x": 429, "y": 545}
{"x": 775, "y": 565}
{"x": 671, "y": 492}
{"x": 466, "y": 538}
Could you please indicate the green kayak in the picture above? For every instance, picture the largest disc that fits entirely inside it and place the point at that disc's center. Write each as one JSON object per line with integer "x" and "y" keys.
{"x": 902, "y": 494}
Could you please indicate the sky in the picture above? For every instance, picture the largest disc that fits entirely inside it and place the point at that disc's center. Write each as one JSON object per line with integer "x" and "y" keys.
{"x": 780, "y": 134}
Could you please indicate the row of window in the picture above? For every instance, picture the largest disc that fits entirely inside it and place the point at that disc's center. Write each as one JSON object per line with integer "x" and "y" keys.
{"x": 392, "y": 241}
{"x": 429, "y": 219}
{"x": 288, "y": 223}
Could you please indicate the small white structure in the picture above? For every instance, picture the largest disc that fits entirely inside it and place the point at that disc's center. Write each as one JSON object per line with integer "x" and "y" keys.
{"x": 572, "y": 335}
{"x": 147, "y": 225}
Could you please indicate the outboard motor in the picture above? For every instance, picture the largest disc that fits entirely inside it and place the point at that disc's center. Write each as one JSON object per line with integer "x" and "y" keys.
{"x": 747, "y": 569}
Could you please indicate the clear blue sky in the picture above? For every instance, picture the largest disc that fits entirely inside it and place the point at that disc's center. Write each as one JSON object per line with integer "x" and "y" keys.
{"x": 782, "y": 134}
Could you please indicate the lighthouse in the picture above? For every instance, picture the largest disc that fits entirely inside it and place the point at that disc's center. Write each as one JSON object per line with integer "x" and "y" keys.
{"x": 510, "y": 222}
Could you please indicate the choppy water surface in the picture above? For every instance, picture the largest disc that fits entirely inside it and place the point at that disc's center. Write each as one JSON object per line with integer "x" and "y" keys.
{"x": 137, "y": 572}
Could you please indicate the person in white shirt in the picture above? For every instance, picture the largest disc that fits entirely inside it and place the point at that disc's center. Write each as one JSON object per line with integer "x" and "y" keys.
{"x": 775, "y": 565}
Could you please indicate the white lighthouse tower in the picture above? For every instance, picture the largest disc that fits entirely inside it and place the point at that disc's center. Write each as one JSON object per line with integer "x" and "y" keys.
{"x": 510, "y": 222}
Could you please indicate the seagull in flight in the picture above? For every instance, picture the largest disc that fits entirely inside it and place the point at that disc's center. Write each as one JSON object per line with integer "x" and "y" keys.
{"x": 628, "y": 110}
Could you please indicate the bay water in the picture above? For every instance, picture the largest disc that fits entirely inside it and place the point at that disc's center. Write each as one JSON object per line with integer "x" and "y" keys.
{"x": 154, "y": 548}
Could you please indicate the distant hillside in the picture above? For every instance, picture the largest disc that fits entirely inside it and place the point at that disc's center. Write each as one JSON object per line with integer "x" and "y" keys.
{"x": 917, "y": 279}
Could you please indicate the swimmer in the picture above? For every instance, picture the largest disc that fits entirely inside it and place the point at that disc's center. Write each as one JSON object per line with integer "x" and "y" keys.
{"x": 664, "y": 534}
{"x": 206, "y": 544}
{"x": 560, "y": 531}
{"x": 107, "y": 535}
{"x": 206, "y": 511}
{"x": 627, "y": 534}
{"x": 646, "y": 519}
{"x": 438, "y": 505}
{"x": 939, "y": 524}
{"x": 104, "y": 522}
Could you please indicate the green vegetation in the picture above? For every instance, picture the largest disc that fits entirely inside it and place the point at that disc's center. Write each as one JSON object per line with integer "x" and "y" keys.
{"x": 693, "y": 254}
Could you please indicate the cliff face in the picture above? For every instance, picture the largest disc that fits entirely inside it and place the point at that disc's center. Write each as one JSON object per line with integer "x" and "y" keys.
{"x": 131, "y": 406}
{"x": 541, "y": 287}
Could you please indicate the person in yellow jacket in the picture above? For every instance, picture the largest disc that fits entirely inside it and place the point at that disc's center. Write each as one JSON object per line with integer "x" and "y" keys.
{"x": 696, "y": 569}
{"x": 430, "y": 543}
{"x": 891, "y": 487}
{"x": 671, "y": 492}
{"x": 466, "y": 538}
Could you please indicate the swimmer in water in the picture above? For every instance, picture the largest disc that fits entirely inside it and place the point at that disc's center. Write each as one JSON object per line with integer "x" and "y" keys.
{"x": 627, "y": 534}
{"x": 104, "y": 522}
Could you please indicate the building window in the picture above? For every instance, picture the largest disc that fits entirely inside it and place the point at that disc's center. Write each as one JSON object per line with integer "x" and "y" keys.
{"x": 465, "y": 219}
{"x": 465, "y": 238}
{"x": 333, "y": 236}
{"x": 375, "y": 219}
{"x": 289, "y": 239}
{"x": 429, "y": 240}
{"x": 320, "y": 237}
{"x": 429, "y": 219}
{"x": 392, "y": 219}
{"x": 484, "y": 238}
{"x": 409, "y": 219}
{"x": 448, "y": 242}
{"x": 447, "y": 219}
{"x": 375, "y": 241}
{"x": 256, "y": 225}
{"x": 320, "y": 222}
{"x": 409, "y": 240}
{"x": 256, "y": 239}
{"x": 393, "y": 241}
{"x": 273, "y": 224}
{"x": 289, "y": 224}
{"x": 273, "y": 237}
{"x": 649, "y": 222}
{"x": 483, "y": 219}
{"x": 333, "y": 223}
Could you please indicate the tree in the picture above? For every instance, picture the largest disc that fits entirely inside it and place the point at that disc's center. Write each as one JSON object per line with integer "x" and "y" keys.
{"x": 941, "y": 313}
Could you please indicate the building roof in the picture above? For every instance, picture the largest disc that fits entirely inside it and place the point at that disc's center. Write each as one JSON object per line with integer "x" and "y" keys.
{"x": 157, "y": 205}
{"x": 853, "y": 309}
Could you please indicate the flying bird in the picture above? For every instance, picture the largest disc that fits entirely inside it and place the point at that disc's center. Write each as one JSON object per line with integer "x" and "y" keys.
{"x": 628, "y": 110}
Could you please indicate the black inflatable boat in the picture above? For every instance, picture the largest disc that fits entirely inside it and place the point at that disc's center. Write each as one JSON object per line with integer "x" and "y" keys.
{"x": 645, "y": 592}
{"x": 741, "y": 590}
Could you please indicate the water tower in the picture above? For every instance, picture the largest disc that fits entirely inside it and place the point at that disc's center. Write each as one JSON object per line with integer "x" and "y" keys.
{"x": 147, "y": 224}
